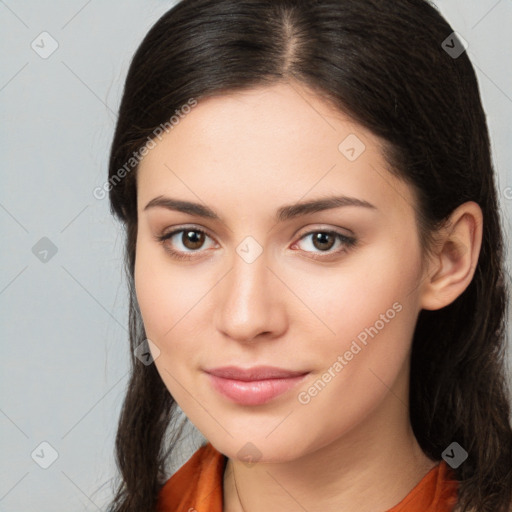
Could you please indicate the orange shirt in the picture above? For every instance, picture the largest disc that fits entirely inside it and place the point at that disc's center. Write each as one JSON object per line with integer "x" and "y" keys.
{"x": 198, "y": 486}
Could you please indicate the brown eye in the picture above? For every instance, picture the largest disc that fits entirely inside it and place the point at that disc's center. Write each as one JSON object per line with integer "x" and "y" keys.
{"x": 185, "y": 243}
{"x": 192, "y": 239}
{"x": 323, "y": 241}
{"x": 323, "y": 244}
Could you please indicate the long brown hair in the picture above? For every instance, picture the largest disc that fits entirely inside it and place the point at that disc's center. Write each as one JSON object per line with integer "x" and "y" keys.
{"x": 386, "y": 65}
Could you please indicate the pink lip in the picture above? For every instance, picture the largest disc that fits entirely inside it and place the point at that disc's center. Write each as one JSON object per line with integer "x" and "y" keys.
{"x": 253, "y": 386}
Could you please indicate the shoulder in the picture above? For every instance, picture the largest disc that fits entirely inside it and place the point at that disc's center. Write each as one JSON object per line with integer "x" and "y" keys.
{"x": 197, "y": 484}
{"x": 436, "y": 492}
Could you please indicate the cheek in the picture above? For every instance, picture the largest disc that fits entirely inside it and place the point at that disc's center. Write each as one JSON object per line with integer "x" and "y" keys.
{"x": 365, "y": 358}
{"x": 166, "y": 299}
{"x": 173, "y": 302}
{"x": 366, "y": 290}
{"x": 154, "y": 301}
{"x": 164, "y": 293}
{"x": 368, "y": 311}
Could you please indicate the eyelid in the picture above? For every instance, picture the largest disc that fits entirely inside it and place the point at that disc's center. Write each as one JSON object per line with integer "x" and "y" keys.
{"x": 185, "y": 227}
{"x": 325, "y": 229}
{"x": 299, "y": 234}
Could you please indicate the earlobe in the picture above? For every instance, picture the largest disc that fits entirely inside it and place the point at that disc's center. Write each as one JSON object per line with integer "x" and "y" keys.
{"x": 453, "y": 265}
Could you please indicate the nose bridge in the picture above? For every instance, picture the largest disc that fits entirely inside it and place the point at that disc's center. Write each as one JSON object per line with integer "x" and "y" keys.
{"x": 249, "y": 278}
{"x": 245, "y": 306}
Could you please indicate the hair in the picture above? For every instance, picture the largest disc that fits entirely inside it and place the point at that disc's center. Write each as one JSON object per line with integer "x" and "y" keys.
{"x": 383, "y": 64}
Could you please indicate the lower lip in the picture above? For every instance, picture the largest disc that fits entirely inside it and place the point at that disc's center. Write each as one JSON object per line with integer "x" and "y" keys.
{"x": 254, "y": 392}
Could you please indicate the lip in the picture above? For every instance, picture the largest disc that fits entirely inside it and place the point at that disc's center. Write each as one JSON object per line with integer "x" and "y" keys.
{"x": 253, "y": 386}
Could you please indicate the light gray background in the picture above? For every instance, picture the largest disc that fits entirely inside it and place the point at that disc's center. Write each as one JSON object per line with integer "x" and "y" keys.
{"x": 63, "y": 322}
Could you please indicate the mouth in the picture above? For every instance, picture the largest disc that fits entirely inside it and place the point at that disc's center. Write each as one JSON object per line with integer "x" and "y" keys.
{"x": 253, "y": 386}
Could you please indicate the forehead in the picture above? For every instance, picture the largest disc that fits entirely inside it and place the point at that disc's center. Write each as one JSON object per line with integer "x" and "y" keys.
{"x": 262, "y": 144}
{"x": 282, "y": 114}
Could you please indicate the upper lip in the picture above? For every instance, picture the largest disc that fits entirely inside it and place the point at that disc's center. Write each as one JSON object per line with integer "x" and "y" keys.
{"x": 254, "y": 373}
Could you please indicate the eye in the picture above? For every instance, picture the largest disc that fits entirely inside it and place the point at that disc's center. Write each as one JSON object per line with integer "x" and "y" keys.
{"x": 324, "y": 241}
{"x": 187, "y": 241}
{"x": 184, "y": 242}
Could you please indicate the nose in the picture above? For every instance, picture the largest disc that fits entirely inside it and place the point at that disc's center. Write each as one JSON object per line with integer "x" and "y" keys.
{"x": 249, "y": 301}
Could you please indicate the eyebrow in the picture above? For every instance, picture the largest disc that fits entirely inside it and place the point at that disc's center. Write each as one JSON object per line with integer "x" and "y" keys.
{"x": 282, "y": 214}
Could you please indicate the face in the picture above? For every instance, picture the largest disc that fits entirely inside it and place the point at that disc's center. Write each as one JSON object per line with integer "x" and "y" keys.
{"x": 251, "y": 278}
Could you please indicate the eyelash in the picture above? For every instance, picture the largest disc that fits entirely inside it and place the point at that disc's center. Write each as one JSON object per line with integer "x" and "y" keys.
{"x": 347, "y": 241}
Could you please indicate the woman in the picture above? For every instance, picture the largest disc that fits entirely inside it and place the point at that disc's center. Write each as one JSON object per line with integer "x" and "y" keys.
{"x": 315, "y": 260}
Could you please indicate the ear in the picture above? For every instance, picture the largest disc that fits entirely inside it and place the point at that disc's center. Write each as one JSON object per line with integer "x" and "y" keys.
{"x": 452, "y": 266}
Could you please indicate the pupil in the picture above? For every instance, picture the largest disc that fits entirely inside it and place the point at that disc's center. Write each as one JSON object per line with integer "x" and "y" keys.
{"x": 322, "y": 238}
{"x": 193, "y": 239}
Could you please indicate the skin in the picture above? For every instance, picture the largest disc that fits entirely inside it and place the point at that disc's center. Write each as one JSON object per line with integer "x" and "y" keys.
{"x": 244, "y": 155}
